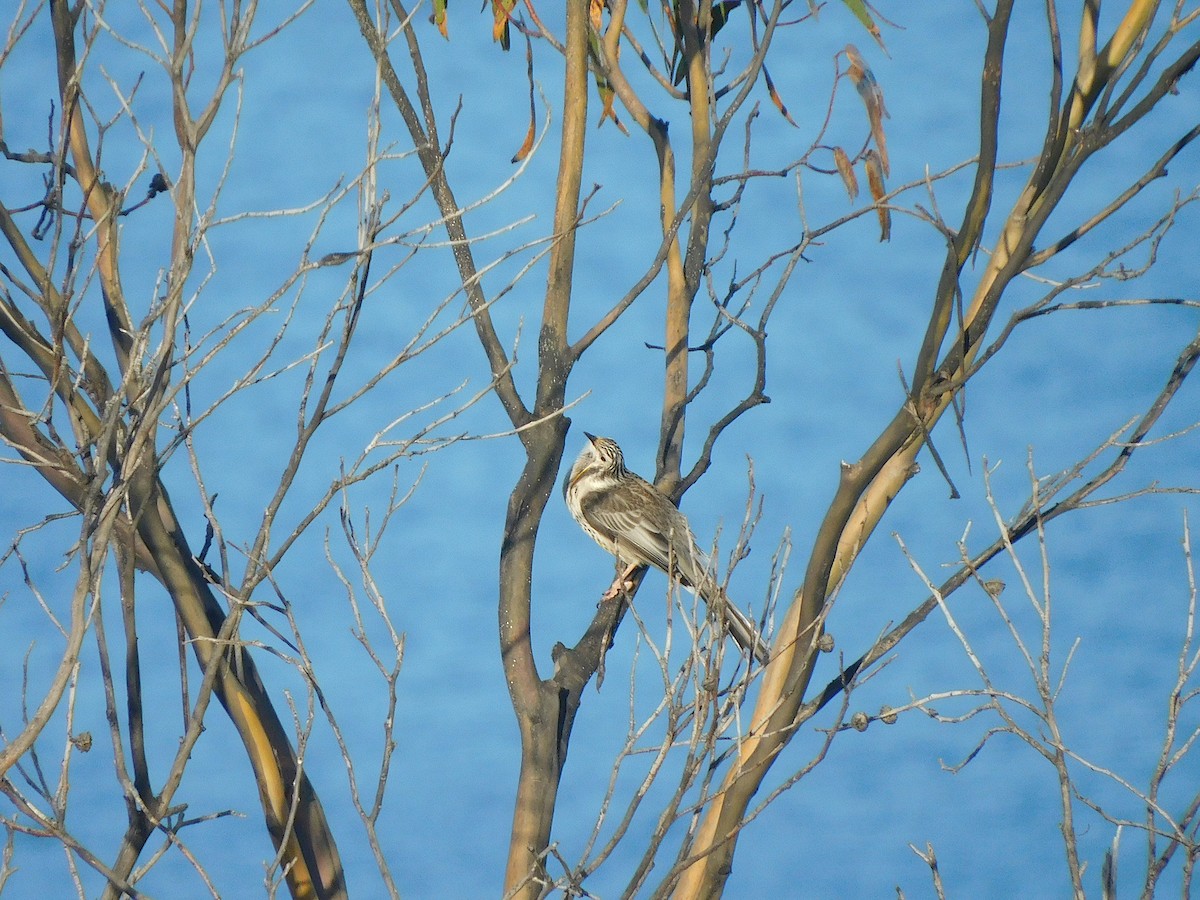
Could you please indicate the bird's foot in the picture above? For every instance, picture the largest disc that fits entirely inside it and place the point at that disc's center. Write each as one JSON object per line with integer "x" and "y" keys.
{"x": 616, "y": 589}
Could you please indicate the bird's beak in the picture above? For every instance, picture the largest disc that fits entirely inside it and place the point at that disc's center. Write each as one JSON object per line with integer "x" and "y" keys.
{"x": 572, "y": 477}
{"x": 573, "y": 474}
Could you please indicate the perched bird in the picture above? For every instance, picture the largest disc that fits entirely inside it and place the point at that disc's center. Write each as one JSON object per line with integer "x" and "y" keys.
{"x": 640, "y": 526}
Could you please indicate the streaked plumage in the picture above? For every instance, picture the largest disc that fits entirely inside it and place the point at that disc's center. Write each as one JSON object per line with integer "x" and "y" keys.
{"x": 638, "y": 524}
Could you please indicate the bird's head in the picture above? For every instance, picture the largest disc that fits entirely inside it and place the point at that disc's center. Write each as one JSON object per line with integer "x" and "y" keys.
{"x": 603, "y": 453}
{"x": 600, "y": 456}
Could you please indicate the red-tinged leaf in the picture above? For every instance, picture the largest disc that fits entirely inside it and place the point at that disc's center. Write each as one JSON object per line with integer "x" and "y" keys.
{"x": 530, "y": 135}
{"x": 595, "y": 51}
{"x": 846, "y": 170}
{"x": 874, "y": 167}
{"x": 872, "y": 96}
{"x": 606, "y": 98}
{"x": 775, "y": 98}
{"x": 863, "y": 14}
{"x": 527, "y": 145}
{"x": 502, "y": 12}
{"x": 439, "y": 17}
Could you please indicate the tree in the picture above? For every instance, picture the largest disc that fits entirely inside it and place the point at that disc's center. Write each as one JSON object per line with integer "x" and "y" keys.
{"x": 131, "y": 364}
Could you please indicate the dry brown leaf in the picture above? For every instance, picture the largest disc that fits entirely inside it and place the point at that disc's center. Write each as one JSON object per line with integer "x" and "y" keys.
{"x": 872, "y": 96}
{"x": 846, "y": 170}
{"x": 874, "y": 167}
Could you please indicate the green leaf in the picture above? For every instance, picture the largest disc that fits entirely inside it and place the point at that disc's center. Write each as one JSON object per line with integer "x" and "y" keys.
{"x": 863, "y": 14}
{"x": 439, "y": 17}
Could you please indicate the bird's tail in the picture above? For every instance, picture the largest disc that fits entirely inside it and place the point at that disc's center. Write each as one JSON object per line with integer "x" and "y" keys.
{"x": 739, "y": 625}
{"x": 744, "y": 631}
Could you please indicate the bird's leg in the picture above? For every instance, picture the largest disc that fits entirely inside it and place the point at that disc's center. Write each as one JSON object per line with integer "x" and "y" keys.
{"x": 621, "y": 584}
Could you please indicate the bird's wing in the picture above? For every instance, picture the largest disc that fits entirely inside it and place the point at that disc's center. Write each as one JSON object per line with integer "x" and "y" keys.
{"x": 629, "y": 521}
{"x": 644, "y": 532}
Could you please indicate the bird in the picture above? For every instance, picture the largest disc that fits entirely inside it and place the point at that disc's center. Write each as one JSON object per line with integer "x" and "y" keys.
{"x": 639, "y": 525}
